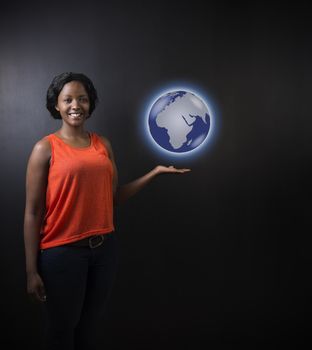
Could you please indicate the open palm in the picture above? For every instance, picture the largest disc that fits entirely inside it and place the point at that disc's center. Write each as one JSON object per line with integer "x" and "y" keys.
{"x": 161, "y": 169}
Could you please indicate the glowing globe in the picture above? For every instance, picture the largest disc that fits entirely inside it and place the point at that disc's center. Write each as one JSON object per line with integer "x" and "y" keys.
{"x": 179, "y": 121}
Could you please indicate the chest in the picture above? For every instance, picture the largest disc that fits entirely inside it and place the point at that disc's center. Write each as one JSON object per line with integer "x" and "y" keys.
{"x": 69, "y": 164}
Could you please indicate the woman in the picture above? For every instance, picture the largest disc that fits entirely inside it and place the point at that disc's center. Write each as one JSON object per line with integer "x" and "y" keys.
{"x": 70, "y": 245}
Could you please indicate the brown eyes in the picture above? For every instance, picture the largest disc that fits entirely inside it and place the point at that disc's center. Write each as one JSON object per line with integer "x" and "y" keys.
{"x": 83, "y": 100}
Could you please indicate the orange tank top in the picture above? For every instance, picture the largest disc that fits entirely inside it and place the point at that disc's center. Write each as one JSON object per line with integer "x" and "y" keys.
{"x": 79, "y": 196}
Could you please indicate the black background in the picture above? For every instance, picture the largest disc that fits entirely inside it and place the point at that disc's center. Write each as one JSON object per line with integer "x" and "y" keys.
{"x": 218, "y": 257}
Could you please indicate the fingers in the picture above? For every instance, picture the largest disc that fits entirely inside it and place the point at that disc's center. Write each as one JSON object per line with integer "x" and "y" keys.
{"x": 36, "y": 297}
{"x": 183, "y": 170}
{"x": 41, "y": 294}
{"x": 39, "y": 297}
{"x": 38, "y": 294}
{"x": 161, "y": 169}
{"x": 35, "y": 287}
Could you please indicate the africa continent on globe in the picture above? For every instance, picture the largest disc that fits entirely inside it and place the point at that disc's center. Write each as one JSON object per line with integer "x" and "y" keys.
{"x": 179, "y": 121}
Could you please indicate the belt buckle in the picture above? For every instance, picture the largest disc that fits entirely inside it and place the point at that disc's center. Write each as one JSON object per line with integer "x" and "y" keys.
{"x": 91, "y": 245}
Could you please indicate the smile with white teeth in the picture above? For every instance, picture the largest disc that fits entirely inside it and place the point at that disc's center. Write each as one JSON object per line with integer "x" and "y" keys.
{"x": 75, "y": 115}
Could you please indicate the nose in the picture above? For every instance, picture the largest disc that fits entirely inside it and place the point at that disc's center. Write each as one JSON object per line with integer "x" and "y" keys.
{"x": 75, "y": 104}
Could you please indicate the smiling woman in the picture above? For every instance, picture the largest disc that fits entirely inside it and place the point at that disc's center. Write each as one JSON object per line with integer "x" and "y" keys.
{"x": 73, "y": 102}
{"x": 59, "y": 84}
{"x": 69, "y": 234}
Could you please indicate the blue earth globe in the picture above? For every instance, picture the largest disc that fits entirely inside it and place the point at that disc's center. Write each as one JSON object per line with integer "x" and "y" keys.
{"x": 179, "y": 121}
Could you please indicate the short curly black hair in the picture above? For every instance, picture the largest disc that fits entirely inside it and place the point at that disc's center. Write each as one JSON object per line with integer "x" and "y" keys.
{"x": 57, "y": 85}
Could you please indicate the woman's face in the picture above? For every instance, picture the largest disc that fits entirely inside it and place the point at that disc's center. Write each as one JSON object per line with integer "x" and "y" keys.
{"x": 73, "y": 103}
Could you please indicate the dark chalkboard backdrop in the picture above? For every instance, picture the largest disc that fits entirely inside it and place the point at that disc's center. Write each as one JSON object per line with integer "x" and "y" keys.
{"x": 219, "y": 257}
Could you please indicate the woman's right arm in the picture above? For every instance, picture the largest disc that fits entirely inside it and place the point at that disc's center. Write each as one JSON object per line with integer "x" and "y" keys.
{"x": 36, "y": 185}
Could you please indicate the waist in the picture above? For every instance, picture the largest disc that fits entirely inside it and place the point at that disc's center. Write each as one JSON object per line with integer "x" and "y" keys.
{"x": 91, "y": 242}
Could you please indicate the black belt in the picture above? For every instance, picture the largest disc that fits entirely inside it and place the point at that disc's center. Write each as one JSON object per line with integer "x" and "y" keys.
{"x": 92, "y": 242}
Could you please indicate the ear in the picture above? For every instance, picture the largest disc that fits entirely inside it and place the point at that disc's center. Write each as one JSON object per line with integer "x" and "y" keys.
{"x": 56, "y": 107}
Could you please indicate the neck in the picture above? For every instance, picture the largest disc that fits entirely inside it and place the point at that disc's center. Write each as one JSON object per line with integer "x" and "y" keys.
{"x": 72, "y": 133}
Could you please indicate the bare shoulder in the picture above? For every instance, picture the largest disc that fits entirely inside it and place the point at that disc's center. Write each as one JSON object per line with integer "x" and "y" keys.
{"x": 108, "y": 145}
{"x": 41, "y": 151}
{"x": 105, "y": 140}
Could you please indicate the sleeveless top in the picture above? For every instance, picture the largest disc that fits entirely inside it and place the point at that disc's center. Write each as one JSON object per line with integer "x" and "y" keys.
{"x": 79, "y": 196}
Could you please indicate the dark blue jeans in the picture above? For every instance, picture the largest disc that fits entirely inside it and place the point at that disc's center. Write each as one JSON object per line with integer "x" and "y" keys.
{"x": 78, "y": 283}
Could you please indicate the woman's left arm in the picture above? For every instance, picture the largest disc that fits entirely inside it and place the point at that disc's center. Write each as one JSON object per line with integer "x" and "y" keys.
{"x": 122, "y": 193}
{"x": 128, "y": 190}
